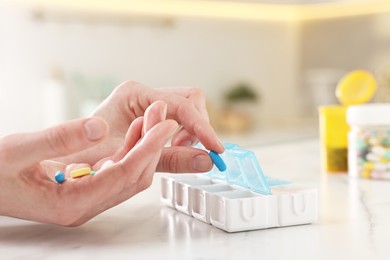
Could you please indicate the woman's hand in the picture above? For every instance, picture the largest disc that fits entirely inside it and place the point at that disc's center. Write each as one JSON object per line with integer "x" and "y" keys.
{"x": 27, "y": 188}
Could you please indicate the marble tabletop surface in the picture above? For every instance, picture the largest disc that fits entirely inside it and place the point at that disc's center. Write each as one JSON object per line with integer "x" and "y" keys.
{"x": 354, "y": 223}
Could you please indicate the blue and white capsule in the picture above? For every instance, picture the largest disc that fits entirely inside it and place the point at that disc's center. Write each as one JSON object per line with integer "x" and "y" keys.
{"x": 218, "y": 161}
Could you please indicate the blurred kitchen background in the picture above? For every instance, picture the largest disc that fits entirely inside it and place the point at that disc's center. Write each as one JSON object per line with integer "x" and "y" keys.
{"x": 265, "y": 66}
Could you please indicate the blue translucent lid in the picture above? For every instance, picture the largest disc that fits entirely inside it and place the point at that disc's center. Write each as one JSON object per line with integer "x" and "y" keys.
{"x": 243, "y": 170}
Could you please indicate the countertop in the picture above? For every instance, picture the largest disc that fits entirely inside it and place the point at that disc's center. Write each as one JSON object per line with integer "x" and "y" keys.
{"x": 354, "y": 223}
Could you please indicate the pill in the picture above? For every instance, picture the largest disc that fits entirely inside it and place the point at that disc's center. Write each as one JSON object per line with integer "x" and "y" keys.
{"x": 387, "y": 155}
{"x": 366, "y": 174}
{"x": 361, "y": 145}
{"x": 59, "y": 177}
{"x": 372, "y": 157}
{"x": 217, "y": 161}
{"x": 377, "y": 175}
{"x": 80, "y": 172}
{"x": 92, "y": 172}
{"x": 380, "y": 166}
{"x": 386, "y": 142}
{"x": 373, "y": 141}
{"x": 360, "y": 160}
{"x": 378, "y": 150}
{"x": 369, "y": 166}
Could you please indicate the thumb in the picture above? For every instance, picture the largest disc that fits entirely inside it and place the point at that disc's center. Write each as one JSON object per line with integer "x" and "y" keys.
{"x": 61, "y": 140}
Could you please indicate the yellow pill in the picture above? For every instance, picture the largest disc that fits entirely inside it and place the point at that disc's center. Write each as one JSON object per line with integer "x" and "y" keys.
{"x": 357, "y": 87}
{"x": 366, "y": 174}
{"x": 80, "y": 172}
{"x": 369, "y": 166}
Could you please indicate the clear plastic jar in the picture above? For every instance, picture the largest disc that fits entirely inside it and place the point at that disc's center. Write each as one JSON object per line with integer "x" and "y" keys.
{"x": 369, "y": 141}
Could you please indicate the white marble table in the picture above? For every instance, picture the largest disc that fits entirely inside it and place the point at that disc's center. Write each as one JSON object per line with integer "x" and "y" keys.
{"x": 354, "y": 223}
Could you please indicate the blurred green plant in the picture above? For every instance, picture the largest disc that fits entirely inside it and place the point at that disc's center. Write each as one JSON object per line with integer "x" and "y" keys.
{"x": 241, "y": 92}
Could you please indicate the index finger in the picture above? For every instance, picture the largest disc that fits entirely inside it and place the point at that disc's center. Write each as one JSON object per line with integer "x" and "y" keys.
{"x": 196, "y": 96}
{"x": 193, "y": 120}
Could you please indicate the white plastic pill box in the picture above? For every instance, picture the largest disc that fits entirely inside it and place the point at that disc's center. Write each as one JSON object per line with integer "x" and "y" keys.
{"x": 240, "y": 198}
{"x": 234, "y": 208}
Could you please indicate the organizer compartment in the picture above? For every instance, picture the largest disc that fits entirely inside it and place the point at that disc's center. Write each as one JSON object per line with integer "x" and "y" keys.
{"x": 201, "y": 196}
{"x": 239, "y": 210}
{"x": 297, "y": 205}
{"x": 176, "y": 190}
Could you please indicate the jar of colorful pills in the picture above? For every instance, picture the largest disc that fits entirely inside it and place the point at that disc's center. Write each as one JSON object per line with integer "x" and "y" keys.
{"x": 355, "y": 88}
{"x": 369, "y": 141}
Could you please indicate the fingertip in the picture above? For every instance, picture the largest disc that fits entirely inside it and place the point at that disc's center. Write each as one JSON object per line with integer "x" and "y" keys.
{"x": 213, "y": 142}
{"x": 154, "y": 114}
{"x": 163, "y": 130}
{"x": 159, "y": 107}
{"x": 174, "y": 125}
{"x": 171, "y": 127}
{"x": 220, "y": 147}
{"x": 164, "y": 111}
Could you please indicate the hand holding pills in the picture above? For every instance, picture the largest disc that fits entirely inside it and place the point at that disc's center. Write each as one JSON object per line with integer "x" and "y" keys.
{"x": 120, "y": 147}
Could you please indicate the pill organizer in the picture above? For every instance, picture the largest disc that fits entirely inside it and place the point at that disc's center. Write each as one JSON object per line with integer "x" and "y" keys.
{"x": 241, "y": 198}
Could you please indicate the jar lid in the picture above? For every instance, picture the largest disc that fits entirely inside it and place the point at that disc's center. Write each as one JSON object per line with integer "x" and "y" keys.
{"x": 369, "y": 114}
{"x": 357, "y": 87}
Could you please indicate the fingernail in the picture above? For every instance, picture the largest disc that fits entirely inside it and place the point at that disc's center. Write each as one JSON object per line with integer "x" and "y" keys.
{"x": 201, "y": 163}
{"x": 221, "y": 145}
{"x": 107, "y": 164}
{"x": 164, "y": 112}
{"x": 94, "y": 129}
